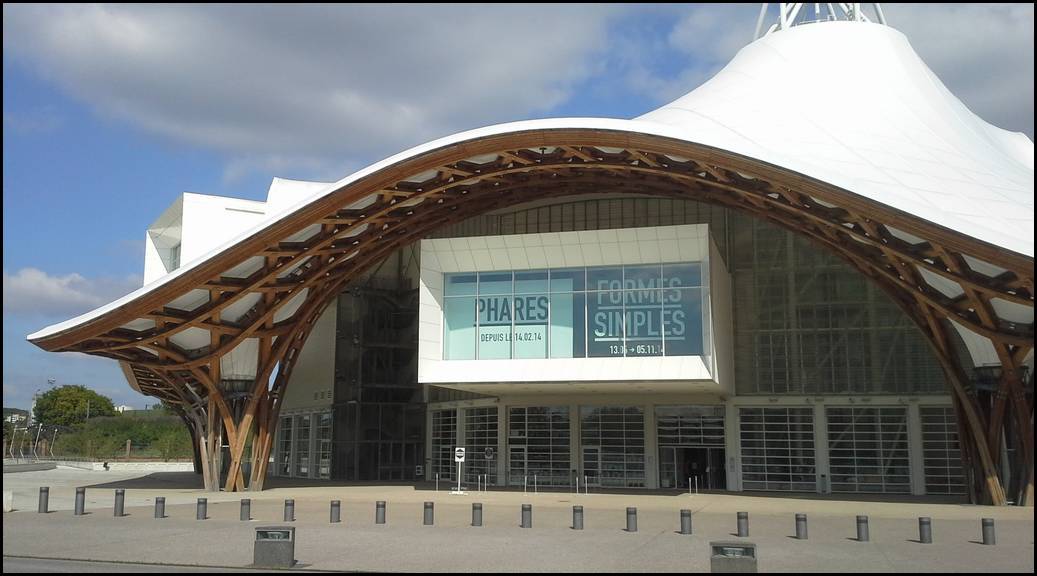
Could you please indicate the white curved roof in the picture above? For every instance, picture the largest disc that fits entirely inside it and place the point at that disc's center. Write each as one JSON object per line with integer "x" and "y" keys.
{"x": 847, "y": 103}
{"x": 852, "y": 104}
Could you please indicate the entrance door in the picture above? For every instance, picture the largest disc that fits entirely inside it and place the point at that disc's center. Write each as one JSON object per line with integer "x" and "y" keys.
{"x": 592, "y": 465}
{"x": 696, "y": 464}
{"x": 516, "y": 465}
{"x": 691, "y": 467}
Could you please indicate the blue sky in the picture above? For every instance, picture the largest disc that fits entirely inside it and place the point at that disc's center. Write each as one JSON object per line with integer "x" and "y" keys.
{"x": 111, "y": 112}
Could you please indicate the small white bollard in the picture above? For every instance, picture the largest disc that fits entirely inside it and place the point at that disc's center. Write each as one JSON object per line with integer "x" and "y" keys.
{"x": 8, "y": 500}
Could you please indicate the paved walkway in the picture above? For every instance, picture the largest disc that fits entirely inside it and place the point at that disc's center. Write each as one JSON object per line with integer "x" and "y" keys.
{"x": 452, "y": 545}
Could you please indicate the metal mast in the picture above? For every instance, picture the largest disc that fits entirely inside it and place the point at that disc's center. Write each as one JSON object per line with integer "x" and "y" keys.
{"x": 793, "y": 14}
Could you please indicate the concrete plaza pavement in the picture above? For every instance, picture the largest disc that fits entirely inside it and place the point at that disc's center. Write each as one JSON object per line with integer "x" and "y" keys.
{"x": 452, "y": 545}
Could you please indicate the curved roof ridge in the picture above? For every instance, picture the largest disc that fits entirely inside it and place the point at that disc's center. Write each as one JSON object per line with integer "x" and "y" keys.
{"x": 853, "y": 105}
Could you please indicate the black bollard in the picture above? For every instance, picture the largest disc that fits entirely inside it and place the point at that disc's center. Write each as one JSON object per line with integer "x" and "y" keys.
{"x": 685, "y": 521}
{"x": 801, "y": 526}
{"x": 925, "y": 530}
{"x": 246, "y": 510}
{"x": 289, "y": 510}
{"x": 862, "y": 528}
{"x": 379, "y": 512}
{"x": 577, "y": 517}
{"x": 160, "y": 507}
{"x": 527, "y": 515}
{"x": 476, "y": 514}
{"x": 430, "y": 512}
{"x": 631, "y": 519}
{"x": 80, "y": 501}
{"x": 200, "y": 509}
{"x": 336, "y": 511}
{"x": 988, "y": 532}
{"x": 44, "y": 504}
{"x": 120, "y": 502}
{"x": 743, "y": 524}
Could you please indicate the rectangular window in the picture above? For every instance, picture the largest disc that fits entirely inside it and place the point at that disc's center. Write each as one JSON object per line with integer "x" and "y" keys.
{"x": 324, "y": 445}
{"x": 605, "y": 322}
{"x": 777, "y": 449}
{"x": 867, "y": 449}
{"x": 444, "y": 438}
{"x": 538, "y": 446}
{"x": 614, "y": 439}
{"x": 302, "y": 445}
{"x": 480, "y": 428}
{"x": 943, "y": 473}
{"x": 459, "y": 328}
{"x": 567, "y": 325}
{"x": 284, "y": 462}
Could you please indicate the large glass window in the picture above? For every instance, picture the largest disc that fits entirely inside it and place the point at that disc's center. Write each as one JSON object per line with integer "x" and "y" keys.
{"x": 302, "y": 445}
{"x": 444, "y": 440}
{"x": 284, "y": 461}
{"x": 480, "y": 430}
{"x": 778, "y": 449}
{"x": 613, "y": 440}
{"x": 613, "y": 311}
{"x": 538, "y": 446}
{"x": 943, "y": 473}
{"x": 324, "y": 445}
{"x": 867, "y": 449}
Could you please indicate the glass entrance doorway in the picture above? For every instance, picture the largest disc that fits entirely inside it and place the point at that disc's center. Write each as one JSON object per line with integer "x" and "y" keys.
{"x": 681, "y": 467}
{"x": 691, "y": 447}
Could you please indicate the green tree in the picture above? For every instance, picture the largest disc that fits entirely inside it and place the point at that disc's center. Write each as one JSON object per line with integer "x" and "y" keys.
{"x": 68, "y": 405}
{"x": 173, "y": 443}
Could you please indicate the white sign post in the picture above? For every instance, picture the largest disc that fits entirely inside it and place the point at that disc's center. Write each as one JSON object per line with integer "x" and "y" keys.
{"x": 459, "y": 458}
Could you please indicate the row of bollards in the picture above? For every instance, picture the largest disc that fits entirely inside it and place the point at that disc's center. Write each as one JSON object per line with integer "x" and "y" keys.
{"x": 925, "y": 531}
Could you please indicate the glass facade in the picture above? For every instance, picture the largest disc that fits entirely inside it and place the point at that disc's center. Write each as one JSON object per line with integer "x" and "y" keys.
{"x": 324, "y": 445}
{"x": 943, "y": 472}
{"x": 867, "y": 450}
{"x": 613, "y": 446}
{"x": 379, "y": 405}
{"x": 538, "y": 446}
{"x": 303, "y": 448}
{"x": 691, "y": 446}
{"x": 284, "y": 447}
{"x": 804, "y": 324}
{"x": 444, "y": 440}
{"x": 778, "y": 449}
{"x": 644, "y": 310}
{"x": 480, "y": 433}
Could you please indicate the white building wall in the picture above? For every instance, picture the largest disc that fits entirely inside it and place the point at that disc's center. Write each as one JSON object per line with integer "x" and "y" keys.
{"x": 211, "y": 221}
{"x": 312, "y": 383}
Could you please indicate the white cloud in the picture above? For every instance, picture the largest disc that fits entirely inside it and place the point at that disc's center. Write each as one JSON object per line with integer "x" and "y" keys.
{"x": 315, "y": 81}
{"x": 34, "y": 292}
{"x": 982, "y": 52}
